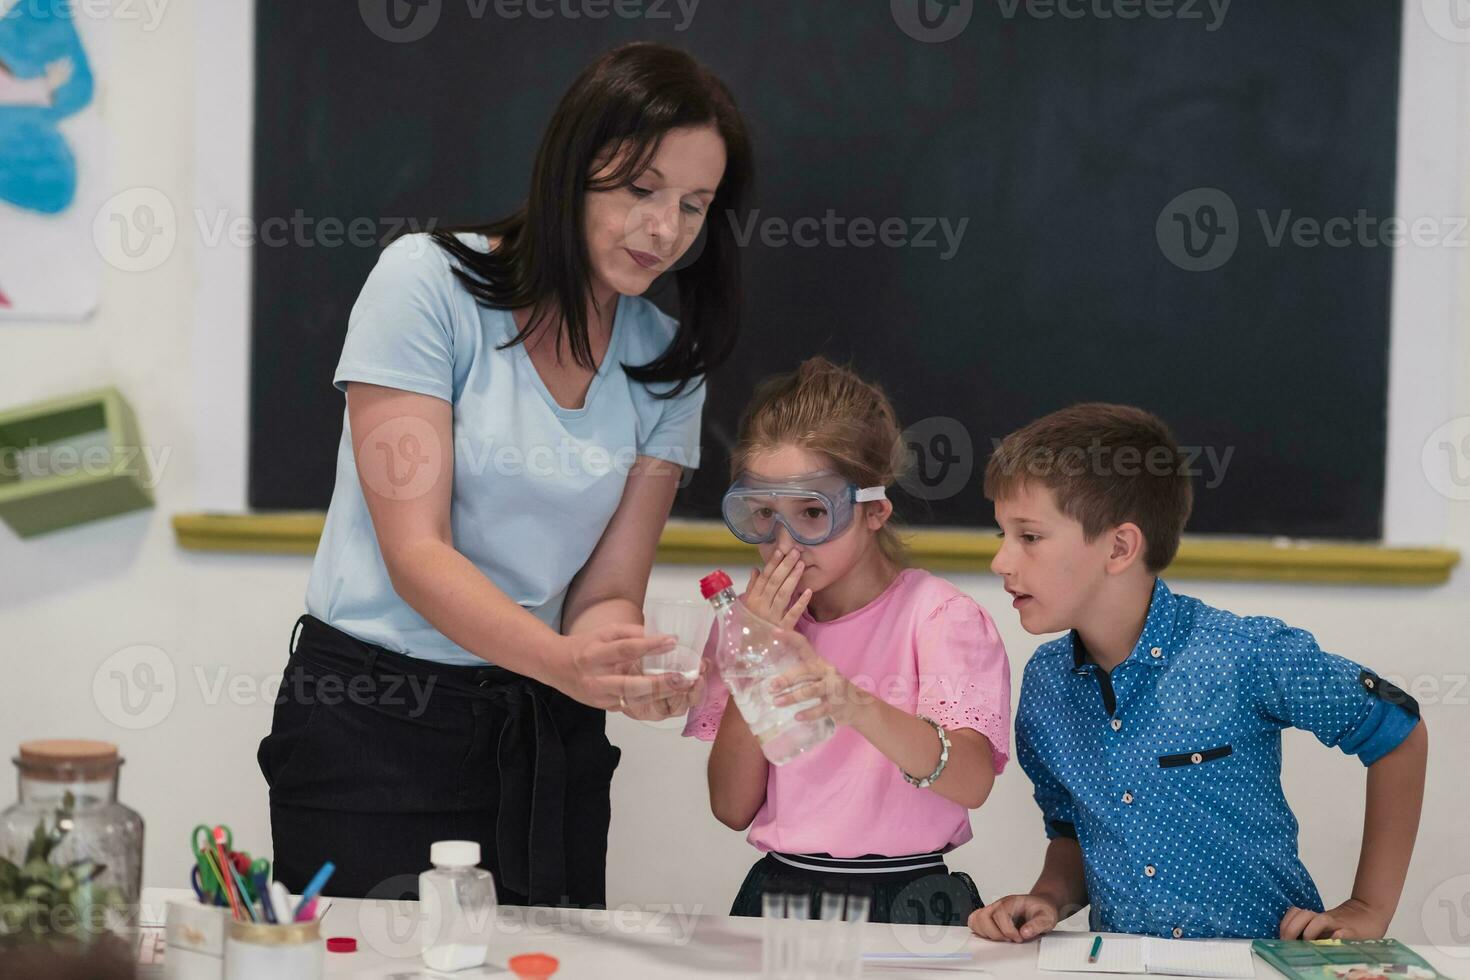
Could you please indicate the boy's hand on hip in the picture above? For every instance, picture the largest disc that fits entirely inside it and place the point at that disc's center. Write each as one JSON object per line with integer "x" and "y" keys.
{"x": 1350, "y": 920}
{"x": 1014, "y": 919}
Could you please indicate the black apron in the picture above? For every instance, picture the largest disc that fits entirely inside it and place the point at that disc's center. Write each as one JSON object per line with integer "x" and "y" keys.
{"x": 373, "y": 756}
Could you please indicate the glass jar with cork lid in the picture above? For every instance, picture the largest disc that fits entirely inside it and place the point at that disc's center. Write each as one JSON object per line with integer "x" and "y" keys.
{"x": 71, "y": 855}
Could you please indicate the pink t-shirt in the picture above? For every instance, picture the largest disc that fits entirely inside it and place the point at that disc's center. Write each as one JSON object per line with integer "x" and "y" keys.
{"x": 923, "y": 646}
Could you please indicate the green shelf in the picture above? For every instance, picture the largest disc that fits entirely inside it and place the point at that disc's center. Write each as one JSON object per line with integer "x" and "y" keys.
{"x": 71, "y": 460}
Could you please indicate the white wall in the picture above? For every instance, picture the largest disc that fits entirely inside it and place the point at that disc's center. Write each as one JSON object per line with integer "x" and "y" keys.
{"x": 75, "y": 606}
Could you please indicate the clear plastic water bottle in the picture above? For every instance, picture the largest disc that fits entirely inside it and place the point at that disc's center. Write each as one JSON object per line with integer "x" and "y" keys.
{"x": 749, "y": 658}
{"x": 458, "y": 903}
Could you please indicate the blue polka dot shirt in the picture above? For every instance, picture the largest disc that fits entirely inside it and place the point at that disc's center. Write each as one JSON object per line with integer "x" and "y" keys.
{"x": 1168, "y": 772}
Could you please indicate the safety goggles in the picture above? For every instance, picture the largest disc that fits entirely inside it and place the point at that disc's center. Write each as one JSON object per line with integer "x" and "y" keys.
{"x": 813, "y": 508}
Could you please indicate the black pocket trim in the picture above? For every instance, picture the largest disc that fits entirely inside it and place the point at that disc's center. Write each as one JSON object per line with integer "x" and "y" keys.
{"x": 1194, "y": 758}
{"x": 1064, "y": 828}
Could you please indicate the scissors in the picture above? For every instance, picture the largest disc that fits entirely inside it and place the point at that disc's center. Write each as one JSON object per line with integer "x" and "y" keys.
{"x": 204, "y": 859}
{"x": 207, "y": 896}
{"x": 259, "y": 870}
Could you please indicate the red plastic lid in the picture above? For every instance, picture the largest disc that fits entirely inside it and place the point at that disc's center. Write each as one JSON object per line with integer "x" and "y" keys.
{"x": 714, "y": 583}
{"x": 533, "y": 966}
{"x": 341, "y": 944}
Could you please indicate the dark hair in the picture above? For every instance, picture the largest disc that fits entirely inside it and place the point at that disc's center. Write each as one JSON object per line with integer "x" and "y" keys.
{"x": 1078, "y": 453}
{"x": 626, "y": 100}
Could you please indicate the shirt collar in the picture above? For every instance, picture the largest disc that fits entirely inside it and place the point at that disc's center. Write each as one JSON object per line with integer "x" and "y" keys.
{"x": 1157, "y": 635}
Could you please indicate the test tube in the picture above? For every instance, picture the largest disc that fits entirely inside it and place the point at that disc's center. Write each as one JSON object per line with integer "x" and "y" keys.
{"x": 773, "y": 910}
{"x": 799, "y": 935}
{"x": 858, "y": 909}
{"x": 832, "y": 933}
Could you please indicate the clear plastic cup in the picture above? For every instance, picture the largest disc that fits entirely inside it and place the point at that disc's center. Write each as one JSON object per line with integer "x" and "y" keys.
{"x": 795, "y": 948}
{"x": 688, "y": 622}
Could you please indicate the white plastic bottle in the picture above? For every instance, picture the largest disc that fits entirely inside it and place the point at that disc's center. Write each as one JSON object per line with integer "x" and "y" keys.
{"x": 750, "y": 658}
{"x": 458, "y": 903}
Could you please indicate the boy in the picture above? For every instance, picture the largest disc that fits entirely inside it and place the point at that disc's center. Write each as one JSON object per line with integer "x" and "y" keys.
{"x": 1152, "y": 730}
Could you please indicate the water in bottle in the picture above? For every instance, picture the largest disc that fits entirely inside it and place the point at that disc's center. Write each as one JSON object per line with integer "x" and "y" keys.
{"x": 750, "y": 657}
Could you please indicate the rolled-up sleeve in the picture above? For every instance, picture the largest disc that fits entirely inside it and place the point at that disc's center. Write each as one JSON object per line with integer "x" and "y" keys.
{"x": 1299, "y": 685}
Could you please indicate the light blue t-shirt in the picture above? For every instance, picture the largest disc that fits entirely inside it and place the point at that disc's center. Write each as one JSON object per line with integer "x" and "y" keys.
{"x": 535, "y": 484}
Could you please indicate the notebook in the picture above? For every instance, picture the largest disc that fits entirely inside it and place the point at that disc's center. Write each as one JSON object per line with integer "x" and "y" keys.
{"x": 1341, "y": 959}
{"x": 1064, "y": 953}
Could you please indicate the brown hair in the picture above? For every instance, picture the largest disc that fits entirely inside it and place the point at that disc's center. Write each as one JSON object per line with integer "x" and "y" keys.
{"x": 1106, "y": 464}
{"x": 823, "y": 408}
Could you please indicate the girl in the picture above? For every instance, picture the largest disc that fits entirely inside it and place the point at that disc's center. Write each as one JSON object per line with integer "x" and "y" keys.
{"x": 911, "y": 669}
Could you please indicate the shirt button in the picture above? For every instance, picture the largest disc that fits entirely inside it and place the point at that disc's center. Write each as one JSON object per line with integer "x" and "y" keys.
{"x": 1196, "y": 758}
{"x": 1156, "y": 653}
{"x": 1117, "y": 724}
{"x": 1368, "y": 683}
{"x": 1150, "y": 871}
{"x": 1127, "y": 797}
{"x": 1178, "y": 933}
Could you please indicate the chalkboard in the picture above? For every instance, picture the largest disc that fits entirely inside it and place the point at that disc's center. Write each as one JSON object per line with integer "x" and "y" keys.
{"x": 992, "y": 226}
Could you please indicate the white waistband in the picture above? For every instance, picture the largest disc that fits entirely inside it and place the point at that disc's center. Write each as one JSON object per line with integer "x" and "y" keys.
{"x": 861, "y": 866}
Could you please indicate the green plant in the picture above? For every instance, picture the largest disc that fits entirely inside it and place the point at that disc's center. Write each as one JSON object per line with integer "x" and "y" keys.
{"x": 60, "y": 904}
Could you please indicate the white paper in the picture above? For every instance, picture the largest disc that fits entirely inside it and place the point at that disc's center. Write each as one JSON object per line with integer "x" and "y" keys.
{"x": 1067, "y": 953}
{"x": 1199, "y": 958}
{"x": 1140, "y": 954}
{"x": 50, "y": 266}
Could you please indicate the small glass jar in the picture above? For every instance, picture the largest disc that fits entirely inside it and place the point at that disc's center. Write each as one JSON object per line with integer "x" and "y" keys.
{"x": 71, "y": 855}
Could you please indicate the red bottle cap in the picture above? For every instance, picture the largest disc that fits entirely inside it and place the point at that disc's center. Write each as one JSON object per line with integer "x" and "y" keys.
{"x": 341, "y": 944}
{"x": 714, "y": 583}
{"x": 533, "y": 966}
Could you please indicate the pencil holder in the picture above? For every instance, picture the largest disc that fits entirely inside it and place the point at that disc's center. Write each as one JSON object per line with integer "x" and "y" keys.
{"x": 196, "y": 941}
{"x": 255, "y": 950}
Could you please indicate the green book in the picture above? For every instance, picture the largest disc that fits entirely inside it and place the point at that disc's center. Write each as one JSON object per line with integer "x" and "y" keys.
{"x": 1345, "y": 959}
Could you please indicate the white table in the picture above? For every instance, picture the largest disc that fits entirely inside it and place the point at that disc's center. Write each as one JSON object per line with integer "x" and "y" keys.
{"x": 655, "y": 943}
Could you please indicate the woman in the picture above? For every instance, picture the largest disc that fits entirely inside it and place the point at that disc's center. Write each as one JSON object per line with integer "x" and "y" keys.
{"x": 517, "y": 422}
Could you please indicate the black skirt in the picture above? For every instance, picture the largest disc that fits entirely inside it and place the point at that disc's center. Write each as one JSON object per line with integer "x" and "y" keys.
{"x": 916, "y": 888}
{"x": 373, "y": 756}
